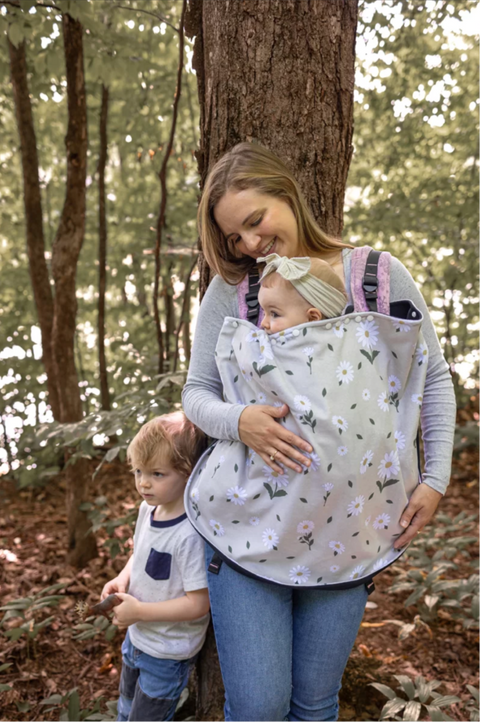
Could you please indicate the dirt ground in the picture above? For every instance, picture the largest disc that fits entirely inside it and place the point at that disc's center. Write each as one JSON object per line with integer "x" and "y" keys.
{"x": 32, "y": 557}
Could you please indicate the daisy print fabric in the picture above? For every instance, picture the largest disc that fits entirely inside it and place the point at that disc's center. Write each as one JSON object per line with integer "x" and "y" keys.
{"x": 354, "y": 387}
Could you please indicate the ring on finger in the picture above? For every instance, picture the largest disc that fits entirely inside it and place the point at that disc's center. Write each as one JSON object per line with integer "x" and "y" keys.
{"x": 272, "y": 456}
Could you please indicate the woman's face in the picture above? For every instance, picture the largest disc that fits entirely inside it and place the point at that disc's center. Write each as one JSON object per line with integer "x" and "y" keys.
{"x": 256, "y": 224}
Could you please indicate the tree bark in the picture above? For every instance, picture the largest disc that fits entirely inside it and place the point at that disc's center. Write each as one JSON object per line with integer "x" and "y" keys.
{"x": 102, "y": 252}
{"x": 281, "y": 73}
{"x": 42, "y": 292}
{"x": 66, "y": 249}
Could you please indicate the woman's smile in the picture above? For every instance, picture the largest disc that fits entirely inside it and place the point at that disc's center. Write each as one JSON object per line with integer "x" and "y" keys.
{"x": 255, "y": 224}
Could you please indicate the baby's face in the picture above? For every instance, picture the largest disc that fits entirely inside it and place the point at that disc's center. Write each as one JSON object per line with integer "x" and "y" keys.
{"x": 282, "y": 305}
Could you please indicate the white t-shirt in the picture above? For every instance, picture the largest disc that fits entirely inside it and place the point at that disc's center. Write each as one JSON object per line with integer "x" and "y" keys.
{"x": 168, "y": 562}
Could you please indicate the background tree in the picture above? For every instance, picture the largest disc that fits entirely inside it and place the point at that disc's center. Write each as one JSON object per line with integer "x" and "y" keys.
{"x": 282, "y": 74}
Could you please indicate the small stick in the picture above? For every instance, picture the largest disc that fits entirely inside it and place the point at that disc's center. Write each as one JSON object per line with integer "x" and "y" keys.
{"x": 103, "y": 608}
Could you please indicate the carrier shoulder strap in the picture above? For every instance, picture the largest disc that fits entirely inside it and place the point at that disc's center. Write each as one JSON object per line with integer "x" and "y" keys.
{"x": 370, "y": 280}
{"x": 247, "y": 294}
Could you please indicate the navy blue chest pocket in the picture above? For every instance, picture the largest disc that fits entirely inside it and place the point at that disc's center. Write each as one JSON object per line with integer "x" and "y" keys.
{"x": 158, "y": 565}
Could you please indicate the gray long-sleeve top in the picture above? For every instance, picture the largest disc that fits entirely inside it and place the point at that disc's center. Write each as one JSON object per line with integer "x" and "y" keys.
{"x": 203, "y": 392}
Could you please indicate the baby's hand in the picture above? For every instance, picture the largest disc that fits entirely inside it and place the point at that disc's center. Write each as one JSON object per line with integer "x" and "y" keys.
{"x": 128, "y": 612}
{"x": 112, "y": 587}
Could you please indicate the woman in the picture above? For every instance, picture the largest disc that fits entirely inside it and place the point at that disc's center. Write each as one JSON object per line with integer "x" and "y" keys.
{"x": 283, "y": 650}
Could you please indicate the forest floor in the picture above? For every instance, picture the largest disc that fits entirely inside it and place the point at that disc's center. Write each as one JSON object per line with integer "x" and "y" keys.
{"x": 32, "y": 557}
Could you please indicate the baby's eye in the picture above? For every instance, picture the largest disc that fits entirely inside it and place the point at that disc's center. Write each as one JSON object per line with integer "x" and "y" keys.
{"x": 273, "y": 314}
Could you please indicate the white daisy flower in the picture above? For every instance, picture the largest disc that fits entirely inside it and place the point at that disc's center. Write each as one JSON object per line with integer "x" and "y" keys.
{"x": 339, "y": 329}
{"x": 265, "y": 348}
{"x": 255, "y": 335}
{"x": 422, "y": 353}
{"x": 357, "y": 572}
{"x": 379, "y": 564}
{"x": 308, "y": 351}
{"x": 251, "y": 455}
{"x": 273, "y": 477}
{"x": 367, "y": 334}
{"x": 389, "y": 466}
{"x": 399, "y": 439}
{"x": 302, "y": 403}
{"x": 394, "y": 384}
{"x": 417, "y": 399}
{"x": 368, "y": 520}
{"x": 237, "y": 495}
{"x": 270, "y": 538}
{"x": 382, "y": 521}
{"x": 342, "y": 450}
{"x": 221, "y": 459}
{"x": 383, "y": 401}
{"x": 299, "y": 574}
{"x": 254, "y": 520}
{"x": 334, "y": 568}
{"x": 305, "y": 526}
{"x": 401, "y": 325}
{"x": 217, "y": 528}
{"x": 261, "y": 398}
{"x": 328, "y": 486}
{"x": 366, "y": 461}
{"x": 366, "y": 395}
{"x": 337, "y": 547}
{"x": 315, "y": 461}
{"x": 194, "y": 494}
{"x": 344, "y": 372}
{"x": 356, "y": 506}
{"x": 340, "y": 422}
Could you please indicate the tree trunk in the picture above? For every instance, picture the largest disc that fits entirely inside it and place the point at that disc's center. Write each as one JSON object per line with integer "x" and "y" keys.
{"x": 42, "y": 292}
{"x": 281, "y": 73}
{"x": 66, "y": 249}
{"x": 102, "y": 252}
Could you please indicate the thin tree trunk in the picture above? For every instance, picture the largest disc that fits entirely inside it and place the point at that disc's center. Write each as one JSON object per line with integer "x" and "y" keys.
{"x": 66, "y": 249}
{"x": 163, "y": 201}
{"x": 169, "y": 315}
{"x": 280, "y": 73}
{"x": 42, "y": 292}
{"x": 102, "y": 251}
{"x": 184, "y": 323}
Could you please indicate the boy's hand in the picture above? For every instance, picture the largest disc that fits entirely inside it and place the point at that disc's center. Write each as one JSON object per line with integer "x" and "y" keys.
{"x": 128, "y": 612}
{"x": 112, "y": 587}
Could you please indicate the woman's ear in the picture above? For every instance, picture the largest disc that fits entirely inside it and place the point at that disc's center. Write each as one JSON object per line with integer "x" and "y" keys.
{"x": 313, "y": 314}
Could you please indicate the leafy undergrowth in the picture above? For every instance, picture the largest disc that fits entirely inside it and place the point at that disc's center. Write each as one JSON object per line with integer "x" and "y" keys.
{"x": 40, "y": 662}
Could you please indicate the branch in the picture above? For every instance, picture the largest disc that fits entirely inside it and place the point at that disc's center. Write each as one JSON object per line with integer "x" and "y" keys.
{"x": 185, "y": 310}
{"x": 163, "y": 184}
{"x": 148, "y": 12}
{"x": 37, "y": 5}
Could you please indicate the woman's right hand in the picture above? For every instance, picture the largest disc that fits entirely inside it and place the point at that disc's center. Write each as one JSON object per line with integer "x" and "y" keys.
{"x": 258, "y": 430}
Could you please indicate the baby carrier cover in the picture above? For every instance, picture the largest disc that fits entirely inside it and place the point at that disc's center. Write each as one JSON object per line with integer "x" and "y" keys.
{"x": 354, "y": 388}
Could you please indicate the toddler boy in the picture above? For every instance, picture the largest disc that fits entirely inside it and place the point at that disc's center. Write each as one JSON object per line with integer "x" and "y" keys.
{"x": 166, "y": 609}
{"x": 298, "y": 290}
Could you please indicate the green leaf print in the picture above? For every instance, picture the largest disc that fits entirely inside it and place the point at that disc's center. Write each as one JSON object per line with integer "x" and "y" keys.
{"x": 324, "y": 392}
{"x": 211, "y": 498}
{"x": 372, "y": 421}
{"x": 235, "y": 379}
{"x": 248, "y": 545}
{"x": 394, "y": 354}
{"x": 371, "y": 357}
{"x": 269, "y": 489}
{"x": 272, "y": 494}
{"x": 359, "y": 366}
{"x": 256, "y": 496}
{"x": 354, "y": 406}
{"x": 371, "y": 496}
{"x": 235, "y": 521}
{"x": 260, "y": 561}
{"x": 304, "y": 331}
{"x": 278, "y": 518}
{"x": 389, "y": 435}
{"x": 329, "y": 467}
{"x": 290, "y": 373}
{"x": 230, "y": 549}
{"x": 389, "y": 482}
{"x": 319, "y": 580}
{"x": 356, "y": 533}
{"x": 304, "y": 500}
{"x": 263, "y": 370}
{"x": 389, "y": 501}
{"x": 330, "y": 347}
{"x": 290, "y": 557}
{"x": 350, "y": 483}
{"x": 359, "y": 437}
{"x": 329, "y": 519}
{"x": 236, "y": 467}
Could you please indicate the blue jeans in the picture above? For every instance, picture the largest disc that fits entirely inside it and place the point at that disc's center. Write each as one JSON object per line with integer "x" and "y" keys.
{"x": 282, "y": 650}
{"x": 150, "y": 687}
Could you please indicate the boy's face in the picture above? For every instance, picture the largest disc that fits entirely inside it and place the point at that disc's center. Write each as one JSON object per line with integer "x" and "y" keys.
{"x": 284, "y": 307}
{"x": 158, "y": 483}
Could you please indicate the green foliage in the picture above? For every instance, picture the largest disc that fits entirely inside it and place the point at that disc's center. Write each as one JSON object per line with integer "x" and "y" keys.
{"x": 421, "y": 697}
{"x": 93, "y": 626}
{"x": 99, "y": 515}
{"x": 30, "y": 610}
{"x": 73, "y": 711}
{"x": 413, "y": 183}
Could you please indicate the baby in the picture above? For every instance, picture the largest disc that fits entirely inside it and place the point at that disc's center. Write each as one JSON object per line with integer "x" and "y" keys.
{"x": 298, "y": 290}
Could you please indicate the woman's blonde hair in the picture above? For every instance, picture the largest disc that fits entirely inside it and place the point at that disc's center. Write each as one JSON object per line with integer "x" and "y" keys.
{"x": 243, "y": 167}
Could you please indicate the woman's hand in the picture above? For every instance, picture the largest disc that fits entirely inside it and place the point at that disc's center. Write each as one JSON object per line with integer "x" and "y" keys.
{"x": 258, "y": 429}
{"x": 417, "y": 513}
{"x": 128, "y": 612}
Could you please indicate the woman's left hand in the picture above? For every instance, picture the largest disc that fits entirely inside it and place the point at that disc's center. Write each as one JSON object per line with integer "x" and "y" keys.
{"x": 418, "y": 512}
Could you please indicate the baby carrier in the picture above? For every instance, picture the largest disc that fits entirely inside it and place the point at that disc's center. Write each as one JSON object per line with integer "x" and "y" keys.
{"x": 354, "y": 388}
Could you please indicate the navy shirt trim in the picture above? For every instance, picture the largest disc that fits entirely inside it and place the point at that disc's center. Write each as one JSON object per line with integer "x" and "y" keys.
{"x": 169, "y": 522}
